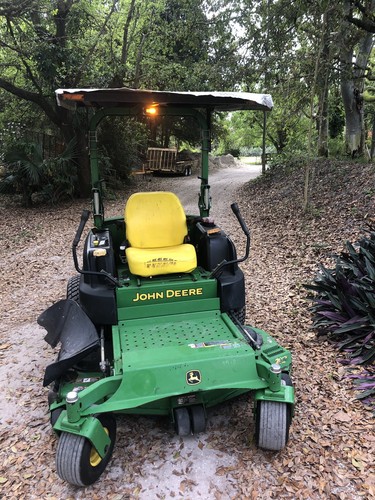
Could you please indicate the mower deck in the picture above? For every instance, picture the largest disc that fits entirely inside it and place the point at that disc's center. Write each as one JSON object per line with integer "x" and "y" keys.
{"x": 172, "y": 346}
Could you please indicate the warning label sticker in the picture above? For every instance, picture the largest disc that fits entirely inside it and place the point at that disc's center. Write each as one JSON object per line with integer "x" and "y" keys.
{"x": 223, "y": 344}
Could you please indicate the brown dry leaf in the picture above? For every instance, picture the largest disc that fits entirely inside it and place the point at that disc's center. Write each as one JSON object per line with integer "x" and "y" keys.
{"x": 287, "y": 246}
{"x": 341, "y": 416}
{"x": 358, "y": 464}
{"x": 182, "y": 486}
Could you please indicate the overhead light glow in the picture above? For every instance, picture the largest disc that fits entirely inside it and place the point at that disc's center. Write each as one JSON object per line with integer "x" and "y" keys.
{"x": 151, "y": 110}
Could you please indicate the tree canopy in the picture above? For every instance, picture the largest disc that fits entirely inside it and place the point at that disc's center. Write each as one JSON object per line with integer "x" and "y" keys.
{"x": 315, "y": 58}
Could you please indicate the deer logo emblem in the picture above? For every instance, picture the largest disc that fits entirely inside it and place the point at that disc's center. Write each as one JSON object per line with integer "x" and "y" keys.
{"x": 193, "y": 377}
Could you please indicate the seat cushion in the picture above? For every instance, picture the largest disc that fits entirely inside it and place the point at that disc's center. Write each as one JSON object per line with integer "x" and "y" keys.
{"x": 154, "y": 261}
{"x": 155, "y": 220}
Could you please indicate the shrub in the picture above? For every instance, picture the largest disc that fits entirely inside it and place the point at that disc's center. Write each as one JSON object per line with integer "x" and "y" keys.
{"x": 27, "y": 173}
{"x": 344, "y": 306}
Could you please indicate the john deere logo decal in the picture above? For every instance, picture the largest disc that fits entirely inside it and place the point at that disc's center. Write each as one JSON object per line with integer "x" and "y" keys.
{"x": 193, "y": 377}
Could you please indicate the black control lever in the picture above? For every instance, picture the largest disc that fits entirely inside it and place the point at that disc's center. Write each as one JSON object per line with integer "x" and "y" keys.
{"x": 219, "y": 268}
{"x": 84, "y": 218}
{"x": 237, "y": 213}
{"x": 244, "y": 228}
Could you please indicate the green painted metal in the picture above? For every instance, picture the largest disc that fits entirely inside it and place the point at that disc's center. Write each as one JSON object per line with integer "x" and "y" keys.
{"x": 284, "y": 395}
{"x": 88, "y": 427}
{"x": 156, "y": 310}
{"x": 154, "y": 358}
{"x": 162, "y": 297}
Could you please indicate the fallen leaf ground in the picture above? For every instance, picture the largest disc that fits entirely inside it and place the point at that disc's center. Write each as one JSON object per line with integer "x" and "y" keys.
{"x": 331, "y": 449}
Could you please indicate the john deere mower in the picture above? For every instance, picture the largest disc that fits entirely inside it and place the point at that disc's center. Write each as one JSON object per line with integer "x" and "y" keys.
{"x": 153, "y": 321}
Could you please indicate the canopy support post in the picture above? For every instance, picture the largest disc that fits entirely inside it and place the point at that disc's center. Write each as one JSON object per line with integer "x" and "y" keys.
{"x": 264, "y": 159}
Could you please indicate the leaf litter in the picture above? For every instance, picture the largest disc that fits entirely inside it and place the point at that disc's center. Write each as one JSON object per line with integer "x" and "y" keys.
{"x": 331, "y": 448}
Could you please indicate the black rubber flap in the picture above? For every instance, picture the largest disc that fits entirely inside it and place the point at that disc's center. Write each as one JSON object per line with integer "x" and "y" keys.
{"x": 66, "y": 323}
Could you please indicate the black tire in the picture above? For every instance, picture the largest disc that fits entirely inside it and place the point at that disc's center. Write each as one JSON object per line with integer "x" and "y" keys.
{"x": 197, "y": 418}
{"x": 54, "y": 415}
{"x": 286, "y": 380}
{"x": 272, "y": 425}
{"x": 72, "y": 289}
{"x": 239, "y": 314}
{"x": 77, "y": 461}
{"x": 182, "y": 421}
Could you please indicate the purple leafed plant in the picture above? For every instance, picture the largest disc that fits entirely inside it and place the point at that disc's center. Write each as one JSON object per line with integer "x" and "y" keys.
{"x": 344, "y": 308}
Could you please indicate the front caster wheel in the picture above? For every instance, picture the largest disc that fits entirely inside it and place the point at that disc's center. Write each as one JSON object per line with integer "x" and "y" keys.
{"x": 272, "y": 425}
{"x": 198, "y": 418}
{"x": 182, "y": 421}
{"x": 77, "y": 460}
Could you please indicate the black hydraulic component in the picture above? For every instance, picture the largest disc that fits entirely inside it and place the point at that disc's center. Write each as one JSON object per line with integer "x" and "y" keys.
{"x": 103, "y": 362}
{"x": 249, "y": 334}
{"x": 219, "y": 268}
{"x": 84, "y": 217}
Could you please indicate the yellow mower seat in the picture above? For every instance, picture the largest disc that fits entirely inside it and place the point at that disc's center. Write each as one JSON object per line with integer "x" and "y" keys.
{"x": 155, "y": 229}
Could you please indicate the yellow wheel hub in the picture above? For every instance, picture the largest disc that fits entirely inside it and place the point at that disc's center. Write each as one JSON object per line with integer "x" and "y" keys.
{"x": 95, "y": 458}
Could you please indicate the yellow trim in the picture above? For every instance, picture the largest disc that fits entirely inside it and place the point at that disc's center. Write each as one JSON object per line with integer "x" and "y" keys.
{"x": 95, "y": 458}
{"x": 155, "y": 261}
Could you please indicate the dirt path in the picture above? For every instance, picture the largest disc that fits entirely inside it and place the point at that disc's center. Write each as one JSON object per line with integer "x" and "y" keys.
{"x": 331, "y": 448}
{"x": 149, "y": 460}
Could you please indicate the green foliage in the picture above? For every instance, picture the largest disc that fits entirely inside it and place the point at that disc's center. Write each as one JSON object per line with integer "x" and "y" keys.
{"x": 122, "y": 143}
{"x": 294, "y": 51}
{"x": 336, "y": 147}
{"x": 286, "y": 163}
{"x": 27, "y": 173}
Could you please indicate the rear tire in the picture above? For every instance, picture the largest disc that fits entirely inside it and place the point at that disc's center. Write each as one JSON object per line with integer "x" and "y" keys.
{"x": 72, "y": 289}
{"x": 77, "y": 460}
{"x": 239, "y": 314}
{"x": 54, "y": 415}
{"x": 272, "y": 425}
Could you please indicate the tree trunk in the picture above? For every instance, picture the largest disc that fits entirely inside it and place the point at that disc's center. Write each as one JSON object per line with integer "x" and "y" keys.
{"x": 354, "y": 127}
{"x": 76, "y": 126}
{"x": 323, "y": 122}
{"x": 352, "y": 84}
{"x": 323, "y": 73}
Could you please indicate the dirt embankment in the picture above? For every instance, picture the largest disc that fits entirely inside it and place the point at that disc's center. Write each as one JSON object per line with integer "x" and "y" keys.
{"x": 331, "y": 448}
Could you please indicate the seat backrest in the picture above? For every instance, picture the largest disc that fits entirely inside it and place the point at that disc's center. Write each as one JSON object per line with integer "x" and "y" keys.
{"x": 155, "y": 220}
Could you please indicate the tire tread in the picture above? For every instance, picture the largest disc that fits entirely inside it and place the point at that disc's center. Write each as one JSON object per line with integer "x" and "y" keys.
{"x": 272, "y": 425}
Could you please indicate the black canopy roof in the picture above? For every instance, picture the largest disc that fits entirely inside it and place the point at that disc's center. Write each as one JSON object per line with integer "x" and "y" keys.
{"x": 125, "y": 97}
